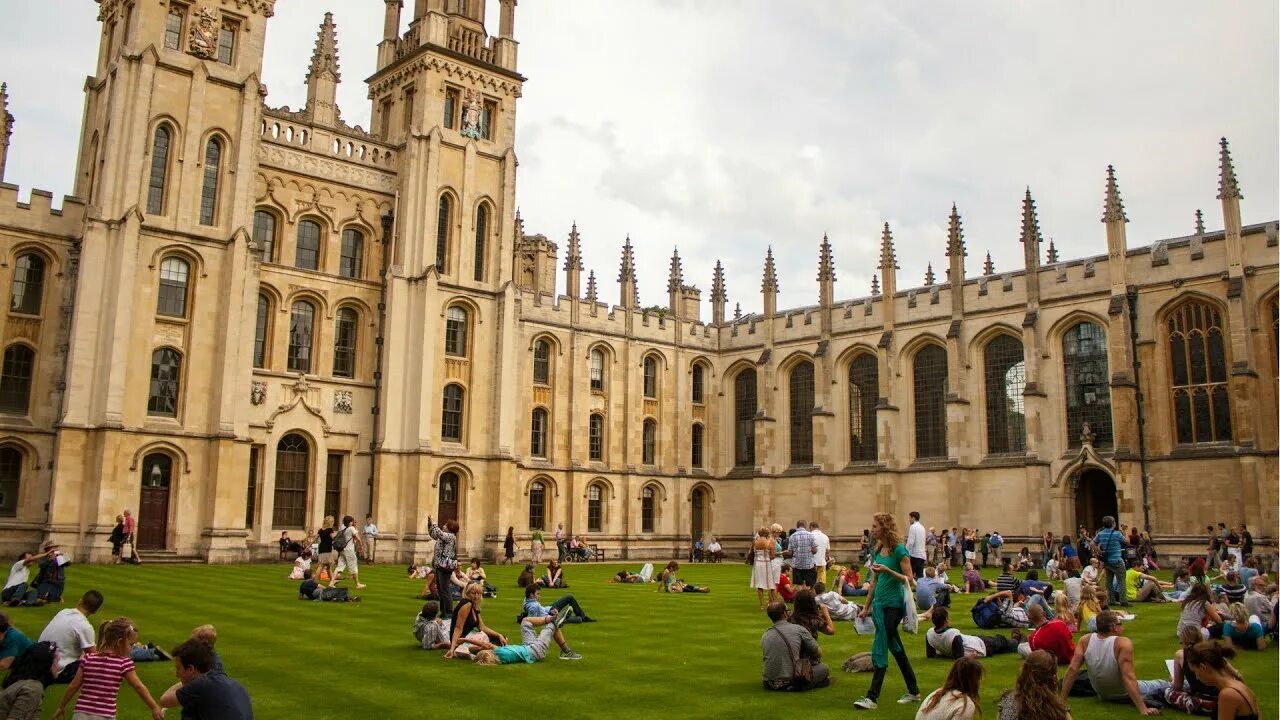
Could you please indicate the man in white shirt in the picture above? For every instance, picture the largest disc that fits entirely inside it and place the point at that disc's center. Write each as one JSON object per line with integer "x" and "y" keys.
{"x": 915, "y": 545}
{"x": 942, "y": 640}
{"x": 71, "y": 631}
{"x": 714, "y": 550}
{"x": 16, "y": 586}
{"x": 821, "y": 558}
{"x": 835, "y": 603}
{"x": 370, "y": 537}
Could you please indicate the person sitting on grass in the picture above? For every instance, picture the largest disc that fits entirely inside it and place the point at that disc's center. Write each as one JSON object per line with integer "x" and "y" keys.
{"x": 526, "y": 577}
{"x": 420, "y": 572}
{"x": 784, "y": 587}
{"x": 101, "y": 672}
{"x": 429, "y": 630}
{"x": 973, "y": 581}
{"x": 837, "y": 607}
{"x": 784, "y": 643}
{"x": 467, "y": 620}
{"x": 1024, "y": 561}
{"x": 51, "y": 580}
{"x": 1231, "y": 591}
{"x": 1245, "y": 631}
{"x": 533, "y": 646}
{"x": 942, "y": 640}
{"x": 1142, "y": 587}
{"x": 849, "y": 582}
{"x": 1034, "y": 695}
{"x": 301, "y": 565}
{"x": 1211, "y": 662}
{"x": 476, "y": 573}
{"x": 1257, "y": 600}
{"x": 1062, "y": 611}
{"x": 23, "y": 688}
{"x": 1188, "y": 693}
{"x": 1052, "y": 636}
{"x": 1198, "y": 610}
{"x": 673, "y": 584}
{"x": 1109, "y": 657}
{"x": 1088, "y": 610}
{"x": 958, "y": 698}
{"x": 203, "y": 691}
{"x": 533, "y": 606}
{"x": 811, "y": 615}
{"x": 12, "y": 643}
{"x": 1091, "y": 572}
{"x": 554, "y": 576}
{"x": 15, "y": 588}
{"x": 931, "y": 592}
{"x": 310, "y": 590}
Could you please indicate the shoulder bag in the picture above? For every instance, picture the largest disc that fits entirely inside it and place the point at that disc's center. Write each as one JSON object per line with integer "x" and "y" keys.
{"x": 801, "y": 667}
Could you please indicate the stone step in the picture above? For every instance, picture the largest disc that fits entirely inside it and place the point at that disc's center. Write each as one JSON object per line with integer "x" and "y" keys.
{"x": 168, "y": 557}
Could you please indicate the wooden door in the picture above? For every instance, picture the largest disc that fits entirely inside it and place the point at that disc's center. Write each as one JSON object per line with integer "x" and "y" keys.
{"x": 698, "y": 514}
{"x": 153, "y": 507}
{"x": 448, "y": 507}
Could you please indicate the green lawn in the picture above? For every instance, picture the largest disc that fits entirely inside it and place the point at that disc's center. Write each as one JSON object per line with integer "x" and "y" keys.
{"x": 651, "y": 654}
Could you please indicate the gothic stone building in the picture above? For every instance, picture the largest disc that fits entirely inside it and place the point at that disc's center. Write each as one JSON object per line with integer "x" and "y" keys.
{"x": 247, "y": 318}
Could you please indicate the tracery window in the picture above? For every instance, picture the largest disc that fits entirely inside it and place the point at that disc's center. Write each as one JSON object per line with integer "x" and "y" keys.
{"x": 166, "y": 374}
{"x": 1084, "y": 368}
{"x": 1198, "y": 373}
{"x": 1005, "y": 373}
{"x": 744, "y": 413}
{"x": 801, "y": 413}
{"x": 929, "y": 377}
{"x": 864, "y": 392}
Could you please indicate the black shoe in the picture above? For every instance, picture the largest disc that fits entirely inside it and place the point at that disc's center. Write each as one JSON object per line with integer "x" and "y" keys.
{"x": 588, "y": 619}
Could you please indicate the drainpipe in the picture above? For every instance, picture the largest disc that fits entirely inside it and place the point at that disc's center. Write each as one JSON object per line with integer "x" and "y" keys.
{"x": 388, "y": 226}
{"x": 68, "y": 311}
{"x": 1132, "y": 295}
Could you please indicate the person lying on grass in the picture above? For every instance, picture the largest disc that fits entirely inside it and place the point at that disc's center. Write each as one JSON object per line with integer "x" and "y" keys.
{"x": 942, "y": 640}
{"x": 673, "y": 584}
{"x": 467, "y": 620}
{"x": 837, "y": 607}
{"x": 533, "y": 645}
{"x": 310, "y": 590}
{"x": 101, "y": 672}
{"x": 566, "y": 604}
{"x": 645, "y": 575}
{"x": 429, "y": 630}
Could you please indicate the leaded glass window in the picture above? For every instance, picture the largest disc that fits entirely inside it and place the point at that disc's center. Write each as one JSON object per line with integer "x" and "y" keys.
{"x": 344, "y": 342}
{"x": 595, "y": 437}
{"x": 649, "y": 442}
{"x": 172, "y": 295}
{"x": 1084, "y": 368}
{"x": 696, "y": 384}
{"x": 1005, "y": 374}
{"x": 261, "y": 331}
{"x": 307, "y": 255}
{"x": 542, "y": 362}
{"x": 482, "y": 233}
{"x": 537, "y": 505}
{"x": 264, "y": 234}
{"x": 209, "y": 191}
{"x": 801, "y": 413}
{"x": 695, "y": 445}
{"x": 744, "y": 413}
{"x": 538, "y": 433}
{"x": 650, "y": 378}
{"x": 166, "y": 373}
{"x": 647, "y": 509}
{"x": 929, "y": 378}
{"x": 455, "y": 331}
{"x": 1198, "y": 370}
{"x": 597, "y": 370}
{"x": 15, "y": 379}
{"x": 302, "y": 320}
{"x": 864, "y": 394}
{"x": 442, "y": 233}
{"x": 159, "y": 169}
{"x": 351, "y": 261}
{"x": 293, "y": 468}
{"x": 28, "y": 284}
{"x": 451, "y": 416}
{"x": 595, "y": 508}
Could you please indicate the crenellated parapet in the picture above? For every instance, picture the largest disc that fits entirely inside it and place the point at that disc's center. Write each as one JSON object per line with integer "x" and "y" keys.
{"x": 38, "y": 215}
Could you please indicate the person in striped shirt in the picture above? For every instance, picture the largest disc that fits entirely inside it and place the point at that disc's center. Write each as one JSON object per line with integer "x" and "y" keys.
{"x": 97, "y": 681}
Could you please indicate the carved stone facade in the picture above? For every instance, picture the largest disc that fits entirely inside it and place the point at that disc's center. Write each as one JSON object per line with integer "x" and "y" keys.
{"x": 407, "y": 352}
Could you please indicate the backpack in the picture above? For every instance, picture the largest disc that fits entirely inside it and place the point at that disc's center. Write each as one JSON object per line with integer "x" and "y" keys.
{"x": 341, "y": 539}
{"x": 986, "y": 614}
{"x": 995, "y": 541}
{"x": 858, "y": 663}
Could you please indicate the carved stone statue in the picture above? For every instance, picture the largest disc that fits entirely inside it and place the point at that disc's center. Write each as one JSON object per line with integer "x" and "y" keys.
{"x": 203, "y": 42}
{"x": 258, "y": 392}
{"x": 342, "y": 402}
{"x": 471, "y": 116}
{"x": 1086, "y": 435}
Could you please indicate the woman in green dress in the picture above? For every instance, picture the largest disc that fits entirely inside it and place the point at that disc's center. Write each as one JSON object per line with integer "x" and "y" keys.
{"x": 890, "y": 579}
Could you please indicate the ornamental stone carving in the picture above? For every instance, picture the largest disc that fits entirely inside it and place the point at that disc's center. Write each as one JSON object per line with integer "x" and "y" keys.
{"x": 337, "y": 171}
{"x": 342, "y": 402}
{"x": 203, "y": 39}
{"x": 258, "y": 392}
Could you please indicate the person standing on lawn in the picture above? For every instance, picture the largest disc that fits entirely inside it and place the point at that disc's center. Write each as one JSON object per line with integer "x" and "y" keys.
{"x": 803, "y": 556}
{"x": 203, "y": 692}
{"x": 886, "y": 602}
{"x": 131, "y": 537}
{"x": 561, "y": 547}
{"x": 71, "y": 632}
{"x": 1109, "y": 543}
{"x": 916, "y": 545}
{"x": 783, "y": 644}
{"x": 821, "y": 559}
{"x": 347, "y": 542}
{"x": 325, "y": 557}
{"x": 370, "y": 537}
{"x": 509, "y": 546}
{"x": 445, "y": 560}
{"x": 100, "y": 674}
{"x": 535, "y": 547}
{"x": 1109, "y": 657}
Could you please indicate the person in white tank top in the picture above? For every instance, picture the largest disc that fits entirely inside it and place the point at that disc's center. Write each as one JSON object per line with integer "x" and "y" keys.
{"x": 1109, "y": 658}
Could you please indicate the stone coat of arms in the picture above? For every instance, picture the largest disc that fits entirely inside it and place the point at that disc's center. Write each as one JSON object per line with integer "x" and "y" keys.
{"x": 203, "y": 42}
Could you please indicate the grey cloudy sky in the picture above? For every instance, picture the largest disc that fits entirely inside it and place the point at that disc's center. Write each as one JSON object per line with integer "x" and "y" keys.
{"x": 723, "y": 127}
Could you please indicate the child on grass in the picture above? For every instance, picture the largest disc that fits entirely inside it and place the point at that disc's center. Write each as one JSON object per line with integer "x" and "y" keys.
{"x": 101, "y": 671}
{"x": 430, "y": 631}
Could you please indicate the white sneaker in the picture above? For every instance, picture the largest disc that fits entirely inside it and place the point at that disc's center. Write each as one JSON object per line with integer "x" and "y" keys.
{"x": 865, "y": 704}
{"x": 908, "y": 699}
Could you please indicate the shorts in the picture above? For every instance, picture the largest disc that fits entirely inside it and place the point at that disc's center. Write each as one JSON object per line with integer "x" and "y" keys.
{"x": 804, "y": 576}
{"x": 77, "y": 715}
{"x": 537, "y": 642}
{"x": 347, "y": 560}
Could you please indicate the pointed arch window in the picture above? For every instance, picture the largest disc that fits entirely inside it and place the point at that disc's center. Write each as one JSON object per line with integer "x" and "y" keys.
{"x": 649, "y": 442}
{"x": 10, "y": 480}
{"x": 1005, "y": 375}
{"x": 1274, "y": 308}
{"x": 648, "y": 509}
{"x": 262, "y": 331}
{"x": 264, "y": 234}
{"x": 864, "y": 393}
{"x": 1198, "y": 369}
{"x": 171, "y": 299}
{"x": 482, "y": 232}
{"x": 344, "y": 342}
{"x": 1084, "y": 367}
{"x": 27, "y": 294}
{"x": 451, "y": 416}
{"x": 541, "y": 362}
{"x": 801, "y": 401}
{"x": 15, "y": 379}
{"x": 443, "y": 222}
{"x": 159, "y": 169}
{"x": 293, "y": 470}
{"x": 455, "y": 331}
{"x": 696, "y": 382}
{"x": 744, "y": 413}
{"x": 351, "y": 262}
{"x": 650, "y": 378}
{"x": 166, "y": 375}
{"x": 597, "y": 370}
{"x": 595, "y": 508}
{"x": 209, "y": 191}
{"x": 538, "y": 433}
{"x": 307, "y": 253}
{"x": 302, "y": 318}
{"x": 595, "y": 437}
{"x": 695, "y": 445}
{"x": 929, "y": 377}
{"x": 173, "y": 25}
{"x": 537, "y": 505}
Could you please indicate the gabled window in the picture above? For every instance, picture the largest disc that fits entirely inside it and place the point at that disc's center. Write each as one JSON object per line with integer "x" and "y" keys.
{"x": 595, "y": 437}
{"x": 351, "y": 262}
{"x": 1005, "y": 373}
{"x": 451, "y": 416}
{"x": 27, "y": 294}
{"x": 159, "y": 169}
{"x": 649, "y": 442}
{"x": 1198, "y": 370}
{"x": 929, "y": 377}
{"x": 344, "y": 342}
{"x": 15, "y": 379}
{"x": 1088, "y": 383}
{"x": 307, "y": 255}
{"x": 262, "y": 331}
{"x": 171, "y": 299}
{"x": 864, "y": 392}
{"x": 166, "y": 374}
{"x": 538, "y": 433}
{"x": 455, "y": 331}
{"x": 264, "y": 234}
{"x": 301, "y": 331}
{"x": 542, "y": 362}
{"x": 209, "y": 192}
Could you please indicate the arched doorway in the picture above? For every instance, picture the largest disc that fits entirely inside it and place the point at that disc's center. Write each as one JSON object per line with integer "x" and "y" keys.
{"x": 1095, "y": 498}
{"x": 153, "y": 506}
{"x": 698, "y": 518}
{"x": 448, "y": 503}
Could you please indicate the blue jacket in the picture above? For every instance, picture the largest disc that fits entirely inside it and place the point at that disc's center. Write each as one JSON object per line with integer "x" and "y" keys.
{"x": 533, "y": 609}
{"x": 1110, "y": 544}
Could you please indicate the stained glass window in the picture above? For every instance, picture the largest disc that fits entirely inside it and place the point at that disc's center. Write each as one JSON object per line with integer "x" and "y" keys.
{"x": 929, "y": 378}
{"x": 1005, "y": 374}
{"x": 1198, "y": 366}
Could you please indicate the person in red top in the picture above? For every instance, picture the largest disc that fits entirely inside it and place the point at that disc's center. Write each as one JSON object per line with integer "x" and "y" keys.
{"x": 131, "y": 536}
{"x": 1052, "y": 636}
{"x": 98, "y": 678}
{"x": 784, "y": 584}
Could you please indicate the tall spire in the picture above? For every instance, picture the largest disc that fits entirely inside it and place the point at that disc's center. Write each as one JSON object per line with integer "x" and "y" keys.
{"x": 1053, "y": 253}
{"x": 1113, "y": 208}
{"x": 323, "y": 75}
{"x": 592, "y": 294}
{"x": 955, "y": 235}
{"x": 887, "y": 258}
{"x": 988, "y": 267}
{"x": 627, "y": 269}
{"x": 573, "y": 258}
{"x": 826, "y": 262}
{"x": 1227, "y": 186}
{"x": 770, "y": 282}
{"x": 1030, "y": 225}
{"x": 675, "y": 278}
{"x": 717, "y": 294}
{"x": 928, "y": 275}
{"x": 6, "y": 127}
{"x": 875, "y": 285}
{"x": 737, "y": 311}
{"x": 1199, "y": 222}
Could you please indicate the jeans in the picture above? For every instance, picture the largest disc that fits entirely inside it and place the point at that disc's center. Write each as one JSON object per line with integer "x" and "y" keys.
{"x": 569, "y": 601}
{"x": 1115, "y": 582}
{"x": 443, "y": 584}
{"x": 997, "y": 644}
{"x": 561, "y": 546}
{"x": 1039, "y": 600}
{"x": 13, "y": 592}
{"x": 887, "y": 621}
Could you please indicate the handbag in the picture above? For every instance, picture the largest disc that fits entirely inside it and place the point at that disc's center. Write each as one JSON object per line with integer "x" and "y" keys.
{"x": 911, "y": 619}
{"x": 751, "y": 556}
{"x": 801, "y": 667}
